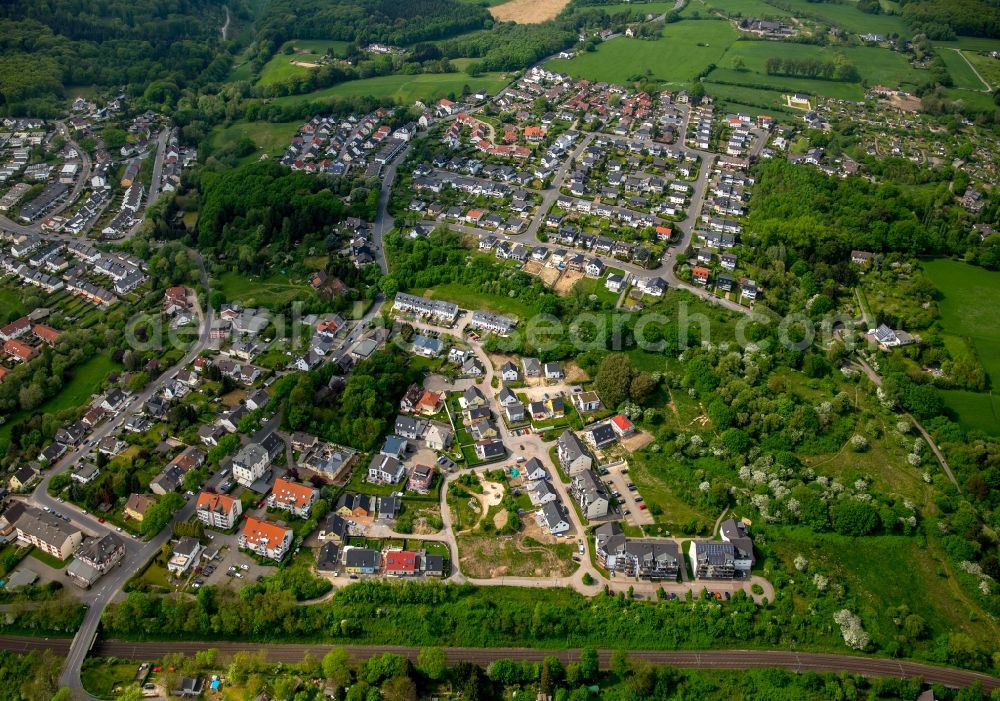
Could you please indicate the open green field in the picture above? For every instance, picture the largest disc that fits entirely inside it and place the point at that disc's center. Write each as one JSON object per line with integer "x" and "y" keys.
{"x": 753, "y": 101}
{"x": 977, "y": 411}
{"x": 971, "y": 44}
{"x": 846, "y": 16}
{"x": 86, "y": 380}
{"x": 988, "y": 67}
{"x": 930, "y": 591}
{"x": 785, "y": 85}
{"x": 976, "y": 99}
{"x": 405, "y": 88}
{"x": 281, "y": 66}
{"x": 270, "y": 292}
{"x": 735, "y": 8}
{"x": 970, "y": 308}
{"x": 876, "y": 65}
{"x": 469, "y": 298}
{"x": 271, "y": 138}
{"x": 960, "y": 70}
{"x": 684, "y": 50}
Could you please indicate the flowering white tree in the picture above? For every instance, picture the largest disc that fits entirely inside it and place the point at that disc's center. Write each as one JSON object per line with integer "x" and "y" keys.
{"x": 854, "y": 633}
{"x": 801, "y": 563}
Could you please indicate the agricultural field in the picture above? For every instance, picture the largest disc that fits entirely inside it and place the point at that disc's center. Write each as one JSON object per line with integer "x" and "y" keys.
{"x": 270, "y": 292}
{"x": 785, "y": 85}
{"x": 753, "y": 101}
{"x": 271, "y": 138}
{"x": 405, "y": 88}
{"x": 963, "y": 288}
{"x": 684, "y": 51}
{"x": 988, "y": 67}
{"x": 960, "y": 69}
{"x": 528, "y": 11}
{"x": 283, "y": 67}
{"x": 845, "y": 16}
{"x": 876, "y": 66}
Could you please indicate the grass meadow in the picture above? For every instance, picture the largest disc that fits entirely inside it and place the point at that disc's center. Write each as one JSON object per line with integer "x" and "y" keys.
{"x": 685, "y": 49}
{"x": 405, "y": 88}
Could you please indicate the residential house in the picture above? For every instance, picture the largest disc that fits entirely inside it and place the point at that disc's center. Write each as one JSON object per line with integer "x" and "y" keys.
{"x": 600, "y": 435}
{"x": 385, "y": 469}
{"x": 532, "y": 367}
{"x": 553, "y": 371}
{"x": 23, "y": 478}
{"x": 361, "y": 560}
{"x": 509, "y": 373}
{"x": 490, "y": 449}
{"x": 94, "y": 558}
{"x": 622, "y": 426}
{"x": 251, "y": 464}
{"x": 534, "y": 470}
{"x": 185, "y": 556}
{"x": 137, "y": 506}
{"x": 421, "y": 478}
{"x": 572, "y": 454}
{"x": 590, "y": 494}
{"x": 550, "y": 517}
{"x": 218, "y": 510}
{"x": 586, "y": 402}
{"x": 293, "y": 497}
{"x": 265, "y": 538}
{"x": 335, "y": 528}
{"x": 438, "y": 436}
{"x": 541, "y": 492}
{"x": 400, "y": 563}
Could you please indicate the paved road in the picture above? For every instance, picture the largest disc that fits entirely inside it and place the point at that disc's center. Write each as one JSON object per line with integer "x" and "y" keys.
{"x": 688, "y": 659}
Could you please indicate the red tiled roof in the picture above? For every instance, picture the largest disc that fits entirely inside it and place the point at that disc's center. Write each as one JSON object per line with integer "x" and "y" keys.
{"x": 400, "y": 561}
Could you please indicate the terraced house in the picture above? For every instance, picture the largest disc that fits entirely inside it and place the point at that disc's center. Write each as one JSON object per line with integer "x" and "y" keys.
{"x": 645, "y": 558}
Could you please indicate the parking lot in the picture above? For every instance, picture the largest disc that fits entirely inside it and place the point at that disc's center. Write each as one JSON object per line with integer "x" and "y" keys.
{"x": 230, "y": 564}
{"x": 618, "y": 481}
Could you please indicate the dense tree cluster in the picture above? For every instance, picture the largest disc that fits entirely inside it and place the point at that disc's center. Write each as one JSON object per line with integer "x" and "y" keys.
{"x": 944, "y": 19}
{"x": 357, "y": 412}
{"x": 364, "y": 21}
{"x": 508, "y": 47}
{"x": 812, "y": 68}
{"x": 47, "y": 45}
{"x": 248, "y": 209}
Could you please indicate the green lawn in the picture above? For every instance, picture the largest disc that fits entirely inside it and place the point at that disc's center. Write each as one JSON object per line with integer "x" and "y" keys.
{"x": 46, "y": 559}
{"x": 405, "y": 88}
{"x": 271, "y": 138}
{"x": 685, "y": 49}
{"x": 106, "y": 677}
{"x": 846, "y": 16}
{"x": 960, "y": 70}
{"x": 272, "y": 291}
{"x": 10, "y": 305}
{"x": 87, "y": 379}
{"x": 653, "y": 8}
{"x": 976, "y": 99}
{"x": 970, "y": 308}
{"x": 876, "y": 65}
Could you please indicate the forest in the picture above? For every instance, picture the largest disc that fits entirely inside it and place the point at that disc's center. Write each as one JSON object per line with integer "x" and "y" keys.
{"x": 812, "y": 68}
{"x": 47, "y": 46}
{"x": 365, "y": 21}
{"x": 946, "y": 19}
{"x": 252, "y": 208}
